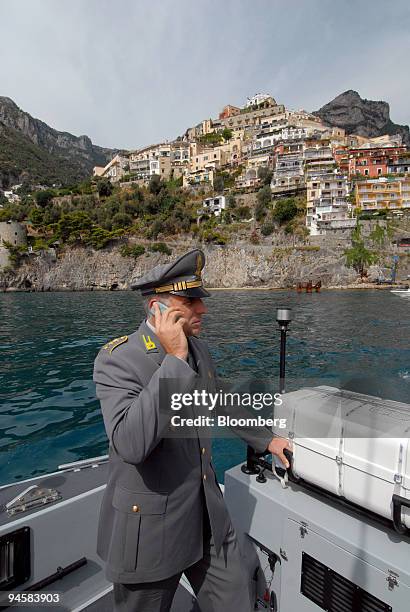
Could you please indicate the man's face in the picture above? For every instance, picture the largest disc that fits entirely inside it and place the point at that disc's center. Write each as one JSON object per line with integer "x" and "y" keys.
{"x": 192, "y": 310}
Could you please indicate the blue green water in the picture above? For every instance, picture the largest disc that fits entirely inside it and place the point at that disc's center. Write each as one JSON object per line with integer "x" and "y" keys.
{"x": 48, "y": 341}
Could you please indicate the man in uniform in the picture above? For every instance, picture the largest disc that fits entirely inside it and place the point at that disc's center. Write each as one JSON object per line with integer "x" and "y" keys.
{"x": 163, "y": 513}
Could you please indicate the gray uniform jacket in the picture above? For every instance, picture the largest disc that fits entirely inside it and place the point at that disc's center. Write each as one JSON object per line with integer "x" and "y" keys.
{"x": 152, "y": 513}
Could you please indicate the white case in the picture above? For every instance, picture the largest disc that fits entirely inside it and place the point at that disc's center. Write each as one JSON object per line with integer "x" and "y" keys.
{"x": 353, "y": 445}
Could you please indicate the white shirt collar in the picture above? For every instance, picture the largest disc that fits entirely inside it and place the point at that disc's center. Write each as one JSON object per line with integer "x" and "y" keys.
{"x": 152, "y": 328}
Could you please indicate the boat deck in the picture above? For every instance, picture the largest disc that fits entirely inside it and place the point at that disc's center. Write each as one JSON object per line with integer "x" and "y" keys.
{"x": 64, "y": 532}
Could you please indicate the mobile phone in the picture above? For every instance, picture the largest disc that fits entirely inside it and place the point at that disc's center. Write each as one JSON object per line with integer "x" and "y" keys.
{"x": 162, "y": 308}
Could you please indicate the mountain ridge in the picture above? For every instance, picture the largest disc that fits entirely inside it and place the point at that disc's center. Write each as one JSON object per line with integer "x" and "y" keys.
{"x": 357, "y": 115}
{"x": 42, "y": 153}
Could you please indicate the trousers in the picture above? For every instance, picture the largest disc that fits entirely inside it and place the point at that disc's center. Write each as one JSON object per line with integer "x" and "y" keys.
{"x": 219, "y": 582}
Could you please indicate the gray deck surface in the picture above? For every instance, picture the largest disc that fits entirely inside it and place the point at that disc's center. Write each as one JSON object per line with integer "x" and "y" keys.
{"x": 68, "y": 483}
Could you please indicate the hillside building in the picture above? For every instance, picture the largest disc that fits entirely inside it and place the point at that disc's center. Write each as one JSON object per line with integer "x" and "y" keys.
{"x": 288, "y": 175}
{"x": 327, "y": 206}
{"x": 318, "y": 160}
{"x": 383, "y": 193}
{"x": 114, "y": 170}
{"x": 400, "y": 165}
{"x": 199, "y": 178}
{"x": 213, "y": 206}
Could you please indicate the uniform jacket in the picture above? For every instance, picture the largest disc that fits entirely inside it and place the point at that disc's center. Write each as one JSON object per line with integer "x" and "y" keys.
{"x": 151, "y": 518}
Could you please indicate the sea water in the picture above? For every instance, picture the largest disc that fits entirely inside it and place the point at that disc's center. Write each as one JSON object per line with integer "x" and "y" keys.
{"x": 49, "y": 414}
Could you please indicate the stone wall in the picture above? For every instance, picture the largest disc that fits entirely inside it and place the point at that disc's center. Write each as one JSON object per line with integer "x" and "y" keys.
{"x": 13, "y": 232}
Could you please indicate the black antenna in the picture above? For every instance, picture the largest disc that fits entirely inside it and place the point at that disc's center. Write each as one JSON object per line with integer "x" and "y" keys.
{"x": 283, "y": 317}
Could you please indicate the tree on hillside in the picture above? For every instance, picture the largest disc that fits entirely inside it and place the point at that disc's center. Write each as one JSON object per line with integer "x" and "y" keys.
{"x": 358, "y": 257}
{"x": 265, "y": 175}
{"x": 263, "y": 198}
{"x": 378, "y": 236}
{"x": 104, "y": 188}
{"x": 285, "y": 210}
{"x": 155, "y": 184}
{"x": 36, "y": 217}
{"x": 121, "y": 220}
{"x": 267, "y": 228}
{"x": 73, "y": 225}
{"x": 243, "y": 212}
{"x": 219, "y": 183}
{"x": 230, "y": 201}
{"x": 227, "y": 134}
{"x": 43, "y": 198}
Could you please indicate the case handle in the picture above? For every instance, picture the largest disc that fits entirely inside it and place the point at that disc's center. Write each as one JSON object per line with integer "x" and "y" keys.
{"x": 398, "y": 501}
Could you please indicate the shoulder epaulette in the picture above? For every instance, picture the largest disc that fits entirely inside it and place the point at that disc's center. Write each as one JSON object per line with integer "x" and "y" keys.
{"x": 112, "y": 344}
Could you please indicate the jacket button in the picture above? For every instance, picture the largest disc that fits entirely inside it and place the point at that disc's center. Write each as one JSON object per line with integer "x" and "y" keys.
{"x": 204, "y": 476}
{"x": 135, "y": 508}
{"x": 203, "y": 451}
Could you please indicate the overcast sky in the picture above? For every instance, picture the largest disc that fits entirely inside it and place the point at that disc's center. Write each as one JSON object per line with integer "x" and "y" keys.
{"x": 135, "y": 72}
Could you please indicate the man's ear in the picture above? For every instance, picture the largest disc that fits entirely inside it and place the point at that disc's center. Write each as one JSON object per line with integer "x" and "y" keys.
{"x": 150, "y": 305}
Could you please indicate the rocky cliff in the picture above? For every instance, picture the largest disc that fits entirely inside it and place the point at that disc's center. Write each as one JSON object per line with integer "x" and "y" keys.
{"x": 227, "y": 267}
{"x": 363, "y": 117}
{"x": 29, "y": 148}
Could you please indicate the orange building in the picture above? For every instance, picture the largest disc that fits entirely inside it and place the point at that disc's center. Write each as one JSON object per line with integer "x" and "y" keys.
{"x": 229, "y": 111}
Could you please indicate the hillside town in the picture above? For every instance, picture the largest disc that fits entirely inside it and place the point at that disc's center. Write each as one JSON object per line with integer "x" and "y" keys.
{"x": 340, "y": 175}
{"x": 258, "y": 176}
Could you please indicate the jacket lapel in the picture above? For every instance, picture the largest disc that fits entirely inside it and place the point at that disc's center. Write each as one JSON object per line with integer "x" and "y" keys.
{"x": 200, "y": 359}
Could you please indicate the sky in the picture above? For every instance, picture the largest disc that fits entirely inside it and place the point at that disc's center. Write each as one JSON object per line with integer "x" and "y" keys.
{"x": 134, "y": 72}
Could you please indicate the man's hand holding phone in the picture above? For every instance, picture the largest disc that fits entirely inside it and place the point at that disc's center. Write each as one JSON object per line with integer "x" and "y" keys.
{"x": 169, "y": 329}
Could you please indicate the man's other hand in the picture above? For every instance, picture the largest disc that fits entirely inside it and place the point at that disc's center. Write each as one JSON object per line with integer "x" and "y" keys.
{"x": 168, "y": 328}
{"x": 277, "y": 446}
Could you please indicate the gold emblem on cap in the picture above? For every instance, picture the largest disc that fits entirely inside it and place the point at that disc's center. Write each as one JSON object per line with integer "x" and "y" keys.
{"x": 178, "y": 286}
{"x": 199, "y": 264}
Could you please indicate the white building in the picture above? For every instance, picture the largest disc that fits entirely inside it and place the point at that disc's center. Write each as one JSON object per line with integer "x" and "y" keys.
{"x": 11, "y": 196}
{"x": 289, "y": 173}
{"x": 213, "y": 206}
{"x": 257, "y": 99}
{"x": 155, "y": 159}
{"x": 327, "y": 205}
{"x": 269, "y": 139}
{"x": 319, "y": 160}
{"x": 114, "y": 170}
